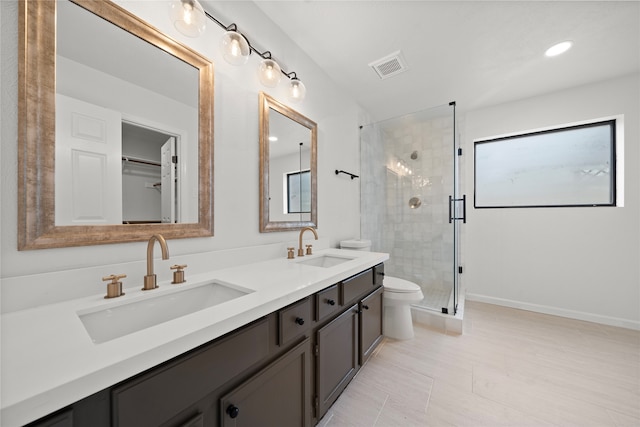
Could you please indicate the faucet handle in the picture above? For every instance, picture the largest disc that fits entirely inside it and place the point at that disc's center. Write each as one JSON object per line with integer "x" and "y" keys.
{"x": 114, "y": 289}
{"x": 290, "y": 253}
{"x": 178, "y": 274}
{"x": 309, "y": 249}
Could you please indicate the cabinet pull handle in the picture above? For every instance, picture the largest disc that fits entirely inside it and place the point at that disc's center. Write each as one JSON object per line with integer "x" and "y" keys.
{"x": 233, "y": 411}
{"x": 366, "y": 307}
{"x": 380, "y": 273}
{"x": 331, "y": 302}
{"x": 300, "y": 321}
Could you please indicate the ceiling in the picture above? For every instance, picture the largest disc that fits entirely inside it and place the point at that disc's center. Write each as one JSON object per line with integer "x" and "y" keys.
{"x": 94, "y": 42}
{"x": 477, "y": 53}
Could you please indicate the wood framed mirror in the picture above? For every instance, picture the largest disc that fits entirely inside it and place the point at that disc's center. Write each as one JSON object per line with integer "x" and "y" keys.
{"x": 45, "y": 218}
{"x": 288, "y": 168}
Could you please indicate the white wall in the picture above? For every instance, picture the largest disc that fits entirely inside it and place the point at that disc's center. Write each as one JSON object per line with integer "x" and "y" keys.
{"x": 235, "y": 165}
{"x": 576, "y": 262}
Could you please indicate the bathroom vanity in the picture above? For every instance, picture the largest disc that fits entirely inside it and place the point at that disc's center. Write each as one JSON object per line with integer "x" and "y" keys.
{"x": 279, "y": 355}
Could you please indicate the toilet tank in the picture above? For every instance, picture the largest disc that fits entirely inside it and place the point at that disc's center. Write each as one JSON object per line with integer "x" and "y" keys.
{"x": 356, "y": 245}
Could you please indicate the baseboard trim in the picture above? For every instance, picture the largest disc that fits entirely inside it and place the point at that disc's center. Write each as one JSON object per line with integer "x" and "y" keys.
{"x": 571, "y": 314}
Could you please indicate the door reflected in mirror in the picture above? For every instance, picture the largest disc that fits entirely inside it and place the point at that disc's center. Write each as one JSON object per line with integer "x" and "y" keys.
{"x": 126, "y": 126}
{"x": 287, "y": 168}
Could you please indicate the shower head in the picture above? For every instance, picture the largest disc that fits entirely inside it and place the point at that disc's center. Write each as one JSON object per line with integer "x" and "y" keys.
{"x": 414, "y": 155}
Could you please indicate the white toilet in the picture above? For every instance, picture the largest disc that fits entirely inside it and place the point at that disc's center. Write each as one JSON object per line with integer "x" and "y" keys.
{"x": 399, "y": 294}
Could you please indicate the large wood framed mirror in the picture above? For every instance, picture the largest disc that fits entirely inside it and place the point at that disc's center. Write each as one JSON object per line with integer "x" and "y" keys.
{"x": 288, "y": 168}
{"x": 115, "y": 139}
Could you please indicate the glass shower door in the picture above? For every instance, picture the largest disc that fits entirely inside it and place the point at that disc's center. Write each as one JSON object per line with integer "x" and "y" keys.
{"x": 408, "y": 175}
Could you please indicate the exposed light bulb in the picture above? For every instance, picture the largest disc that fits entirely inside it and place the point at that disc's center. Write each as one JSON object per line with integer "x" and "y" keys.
{"x": 235, "y": 48}
{"x": 269, "y": 73}
{"x": 188, "y": 17}
{"x": 297, "y": 91}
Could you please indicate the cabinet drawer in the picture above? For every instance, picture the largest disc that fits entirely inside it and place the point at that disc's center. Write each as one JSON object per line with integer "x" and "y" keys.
{"x": 327, "y": 302}
{"x": 357, "y": 286}
{"x": 295, "y": 320}
{"x": 157, "y": 396}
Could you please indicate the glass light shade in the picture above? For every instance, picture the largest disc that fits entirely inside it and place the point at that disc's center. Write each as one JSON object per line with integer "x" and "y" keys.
{"x": 269, "y": 73}
{"x": 297, "y": 91}
{"x": 235, "y": 48}
{"x": 188, "y": 17}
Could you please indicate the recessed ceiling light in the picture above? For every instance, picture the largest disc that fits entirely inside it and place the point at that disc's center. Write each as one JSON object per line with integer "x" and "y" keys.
{"x": 559, "y": 48}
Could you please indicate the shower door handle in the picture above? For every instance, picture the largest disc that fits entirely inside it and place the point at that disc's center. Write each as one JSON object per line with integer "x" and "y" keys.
{"x": 452, "y": 209}
{"x": 464, "y": 208}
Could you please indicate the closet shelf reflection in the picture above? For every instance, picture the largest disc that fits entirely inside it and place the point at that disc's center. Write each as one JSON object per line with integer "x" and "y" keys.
{"x": 140, "y": 161}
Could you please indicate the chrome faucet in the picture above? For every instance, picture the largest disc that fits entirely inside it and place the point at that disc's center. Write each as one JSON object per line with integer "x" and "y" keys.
{"x": 300, "y": 251}
{"x": 150, "y": 278}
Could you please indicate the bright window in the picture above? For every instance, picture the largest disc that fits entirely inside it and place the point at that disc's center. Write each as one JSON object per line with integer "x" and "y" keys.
{"x": 568, "y": 166}
{"x": 299, "y": 192}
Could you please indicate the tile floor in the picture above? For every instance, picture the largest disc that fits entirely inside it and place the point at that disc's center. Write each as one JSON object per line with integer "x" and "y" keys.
{"x": 509, "y": 368}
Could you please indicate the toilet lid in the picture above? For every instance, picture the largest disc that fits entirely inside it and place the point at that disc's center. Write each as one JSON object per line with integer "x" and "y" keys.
{"x": 395, "y": 284}
{"x": 355, "y": 244}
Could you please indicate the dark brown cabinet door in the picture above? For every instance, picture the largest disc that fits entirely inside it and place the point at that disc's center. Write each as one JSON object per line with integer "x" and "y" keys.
{"x": 337, "y": 357}
{"x": 278, "y": 396}
{"x": 370, "y": 324}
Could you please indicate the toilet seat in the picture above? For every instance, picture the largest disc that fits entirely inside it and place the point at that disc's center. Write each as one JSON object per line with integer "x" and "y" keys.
{"x": 395, "y": 284}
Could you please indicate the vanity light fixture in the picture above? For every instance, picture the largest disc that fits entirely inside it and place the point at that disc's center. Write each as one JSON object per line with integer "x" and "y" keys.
{"x": 235, "y": 47}
{"x": 188, "y": 17}
{"x": 297, "y": 91}
{"x": 559, "y": 48}
{"x": 269, "y": 72}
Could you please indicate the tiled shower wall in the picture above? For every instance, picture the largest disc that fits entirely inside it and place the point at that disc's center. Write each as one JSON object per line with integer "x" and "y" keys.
{"x": 410, "y": 157}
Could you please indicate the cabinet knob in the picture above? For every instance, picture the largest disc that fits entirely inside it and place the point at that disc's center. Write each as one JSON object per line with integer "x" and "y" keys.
{"x": 366, "y": 307}
{"x": 331, "y": 302}
{"x": 300, "y": 321}
{"x": 233, "y": 411}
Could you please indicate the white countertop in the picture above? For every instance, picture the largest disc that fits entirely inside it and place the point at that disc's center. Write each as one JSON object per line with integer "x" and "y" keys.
{"x": 49, "y": 361}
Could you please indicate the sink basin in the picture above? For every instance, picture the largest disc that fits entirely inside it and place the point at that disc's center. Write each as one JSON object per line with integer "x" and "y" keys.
{"x": 325, "y": 261}
{"x": 105, "y": 324}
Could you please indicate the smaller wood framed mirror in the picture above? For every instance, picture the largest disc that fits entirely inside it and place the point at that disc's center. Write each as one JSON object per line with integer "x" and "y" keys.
{"x": 288, "y": 168}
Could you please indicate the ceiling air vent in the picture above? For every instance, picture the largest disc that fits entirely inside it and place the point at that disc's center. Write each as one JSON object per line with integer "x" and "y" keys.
{"x": 390, "y": 65}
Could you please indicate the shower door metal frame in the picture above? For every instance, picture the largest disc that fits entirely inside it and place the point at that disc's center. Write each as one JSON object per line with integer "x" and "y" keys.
{"x": 457, "y": 213}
